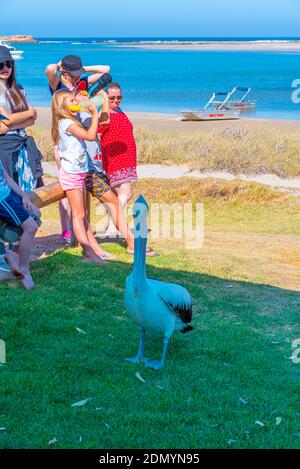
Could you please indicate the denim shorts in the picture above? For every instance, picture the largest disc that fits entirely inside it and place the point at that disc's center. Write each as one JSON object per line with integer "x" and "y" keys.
{"x": 12, "y": 210}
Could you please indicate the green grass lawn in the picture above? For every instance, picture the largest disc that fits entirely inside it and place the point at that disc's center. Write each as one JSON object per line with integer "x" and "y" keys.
{"x": 220, "y": 380}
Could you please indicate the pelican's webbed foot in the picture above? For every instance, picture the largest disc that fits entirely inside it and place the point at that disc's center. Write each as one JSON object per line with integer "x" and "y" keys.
{"x": 156, "y": 364}
{"x": 136, "y": 359}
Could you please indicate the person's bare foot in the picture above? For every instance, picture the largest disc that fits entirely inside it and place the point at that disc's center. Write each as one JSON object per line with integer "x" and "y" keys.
{"x": 27, "y": 282}
{"x": 13, "y": 261}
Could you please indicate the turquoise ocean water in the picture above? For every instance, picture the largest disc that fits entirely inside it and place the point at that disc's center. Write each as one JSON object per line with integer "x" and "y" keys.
{"x": 169, "y": 80}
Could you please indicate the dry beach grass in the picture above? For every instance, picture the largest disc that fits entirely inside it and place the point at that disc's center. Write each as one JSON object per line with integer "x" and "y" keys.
{"x": 244, "y": 149}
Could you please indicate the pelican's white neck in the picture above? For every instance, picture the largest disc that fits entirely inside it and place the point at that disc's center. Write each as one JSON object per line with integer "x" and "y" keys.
{"x": 140, "y": 243}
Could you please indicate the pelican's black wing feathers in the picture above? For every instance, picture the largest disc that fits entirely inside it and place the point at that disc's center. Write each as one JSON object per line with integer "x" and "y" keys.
{"x": 178, "y": 300}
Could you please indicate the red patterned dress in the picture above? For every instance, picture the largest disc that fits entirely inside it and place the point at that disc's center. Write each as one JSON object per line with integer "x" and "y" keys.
{"x": 118, "y": 149}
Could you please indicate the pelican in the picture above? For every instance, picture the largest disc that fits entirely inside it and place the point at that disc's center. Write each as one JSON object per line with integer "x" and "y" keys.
{"x": 157, "y": 307}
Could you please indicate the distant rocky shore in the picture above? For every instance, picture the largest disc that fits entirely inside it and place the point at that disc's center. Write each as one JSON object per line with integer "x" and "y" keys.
{"x": 18, "y": 38}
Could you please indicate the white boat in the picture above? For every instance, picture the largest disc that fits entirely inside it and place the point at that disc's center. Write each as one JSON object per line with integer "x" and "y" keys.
{"x": 237, "y": 103}
{"x": 16, "y": 54}
{"x": 209, "y": 113}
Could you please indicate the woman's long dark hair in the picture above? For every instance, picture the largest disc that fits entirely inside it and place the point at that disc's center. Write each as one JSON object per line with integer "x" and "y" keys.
{"x": 14, "y": 94}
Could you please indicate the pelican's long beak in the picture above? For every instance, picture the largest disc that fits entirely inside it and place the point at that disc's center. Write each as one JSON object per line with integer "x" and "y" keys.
{"x": 139, "y": 268}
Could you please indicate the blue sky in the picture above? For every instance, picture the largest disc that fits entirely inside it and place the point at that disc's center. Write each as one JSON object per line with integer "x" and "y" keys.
{"x": 131, "y": 18}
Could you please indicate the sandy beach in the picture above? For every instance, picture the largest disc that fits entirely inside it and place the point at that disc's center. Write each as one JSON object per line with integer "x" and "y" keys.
{"x": 259, "y": 46}
{"x": 172, "y": 122}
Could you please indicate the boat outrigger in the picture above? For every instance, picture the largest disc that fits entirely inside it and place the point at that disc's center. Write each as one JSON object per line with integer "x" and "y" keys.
{"x": 209, "y": 113}
{"x": 240, "y": 103}
{"x": 16, "y": 54}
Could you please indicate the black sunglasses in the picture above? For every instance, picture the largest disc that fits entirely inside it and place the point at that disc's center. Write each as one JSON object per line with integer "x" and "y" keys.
{"x": 7, "y": 64}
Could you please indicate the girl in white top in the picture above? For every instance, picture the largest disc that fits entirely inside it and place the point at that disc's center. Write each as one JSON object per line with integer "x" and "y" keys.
{"x": 69, "y": 135}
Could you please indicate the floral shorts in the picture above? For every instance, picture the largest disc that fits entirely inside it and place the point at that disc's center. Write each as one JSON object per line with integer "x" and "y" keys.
{"x": 97, "y": 184}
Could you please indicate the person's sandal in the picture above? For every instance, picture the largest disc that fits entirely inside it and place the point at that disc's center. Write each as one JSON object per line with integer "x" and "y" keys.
{"x": 94, "y": 260}
{"x": 108, "y": 256}
{"x": 66, "y": 236}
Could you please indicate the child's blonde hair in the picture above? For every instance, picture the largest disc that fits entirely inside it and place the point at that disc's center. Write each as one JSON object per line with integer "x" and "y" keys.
{"x": 60, "y": 110}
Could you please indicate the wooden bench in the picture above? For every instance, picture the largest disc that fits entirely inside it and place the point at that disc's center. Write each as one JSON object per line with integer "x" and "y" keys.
{"x": 47, "y": 195}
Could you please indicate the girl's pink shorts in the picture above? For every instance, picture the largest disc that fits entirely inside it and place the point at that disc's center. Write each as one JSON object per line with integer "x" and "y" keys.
{"x": 69, "y": 181}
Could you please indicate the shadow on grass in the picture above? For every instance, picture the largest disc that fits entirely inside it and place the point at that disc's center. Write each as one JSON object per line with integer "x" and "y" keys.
{"x": 46, "y": 245}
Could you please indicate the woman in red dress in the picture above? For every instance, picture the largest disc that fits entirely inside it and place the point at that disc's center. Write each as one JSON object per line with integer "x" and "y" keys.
{"x": 118, "y": 150}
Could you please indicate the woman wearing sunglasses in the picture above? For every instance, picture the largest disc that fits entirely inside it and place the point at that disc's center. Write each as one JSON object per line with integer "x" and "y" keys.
{"x": 19, "y": 154}
{"x": 118, "y": 151}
